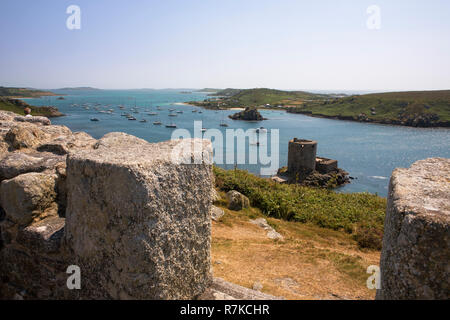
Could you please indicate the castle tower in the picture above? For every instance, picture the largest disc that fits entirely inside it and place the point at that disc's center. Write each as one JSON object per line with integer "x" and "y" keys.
{"x": 302, "y": 156}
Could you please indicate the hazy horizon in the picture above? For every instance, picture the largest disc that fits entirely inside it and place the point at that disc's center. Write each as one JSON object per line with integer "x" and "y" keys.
{"x": 287, "y": 45}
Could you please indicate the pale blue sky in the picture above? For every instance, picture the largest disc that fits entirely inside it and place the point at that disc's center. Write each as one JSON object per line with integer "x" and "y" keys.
{"x": 311, "y": 45}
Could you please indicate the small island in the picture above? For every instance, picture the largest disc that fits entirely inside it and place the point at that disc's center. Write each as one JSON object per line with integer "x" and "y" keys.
{"x": 249, "y": 114}
{"x": 306, "y": 169}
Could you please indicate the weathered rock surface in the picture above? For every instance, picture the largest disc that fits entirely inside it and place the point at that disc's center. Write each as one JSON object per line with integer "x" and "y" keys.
{"x": 28, "y": 196}
{"x": 138, "y": 214}
{"x": 216, "y": 213}
{"x": 62, "y": 145}
{"x": 271, "y": 233}
{"x": 155, "y": 242}
{"x": 35, "y": 119}
{"x": 16, "y": 163}
{"x": 223, "y": 290}
{"x": 44, "y": 236}
{"x": 25, "y": 136}
{"x": 416, "y": 245}
{"x": 7, "y": 115}
{"x": 215, "y": 195}
{"x": 237, "y": 201}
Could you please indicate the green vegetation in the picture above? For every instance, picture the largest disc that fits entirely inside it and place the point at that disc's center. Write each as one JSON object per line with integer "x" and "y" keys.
{"x": 211, "y": 90}
{"x": 232, "y": 98}
{"x": 23, "y": 92}
{"x": 18, "y": 106}
{"x": 414, "y": 108}
{"x": 419, "y": 109}
{"x": 360, "y": 214}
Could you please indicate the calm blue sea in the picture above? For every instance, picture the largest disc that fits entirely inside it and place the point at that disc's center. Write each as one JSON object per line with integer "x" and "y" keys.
{"x": 369, "y": 152}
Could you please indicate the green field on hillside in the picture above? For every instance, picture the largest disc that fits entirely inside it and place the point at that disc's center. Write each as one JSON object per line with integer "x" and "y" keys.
{"x": 360, "y": 214}
{"x": 421, "y": 108}
{"x": 232, "y": 98}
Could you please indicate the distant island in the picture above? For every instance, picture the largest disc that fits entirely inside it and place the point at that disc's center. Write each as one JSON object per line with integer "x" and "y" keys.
{"x": 261, "y": 97}
{"x": 77, "y": 89}
{"x": 208, "y": 90}
{"x": 415, "y": 108}
{"x": 249, "y": 114}
{"x": 12, "y": 92}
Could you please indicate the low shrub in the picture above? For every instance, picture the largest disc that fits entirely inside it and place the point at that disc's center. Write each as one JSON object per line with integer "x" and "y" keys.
{"x": 359, "y": 214}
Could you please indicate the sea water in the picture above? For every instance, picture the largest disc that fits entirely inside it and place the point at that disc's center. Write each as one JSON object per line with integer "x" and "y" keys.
{"x": 369, "y": 152}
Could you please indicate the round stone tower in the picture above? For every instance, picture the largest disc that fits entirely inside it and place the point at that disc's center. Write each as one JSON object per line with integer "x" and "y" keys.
{"x": 302, "y": 156}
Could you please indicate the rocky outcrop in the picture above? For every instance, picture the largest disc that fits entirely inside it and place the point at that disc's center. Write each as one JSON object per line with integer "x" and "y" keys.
{"x": 134, "y": 216}
{"x": 140, "y": 222}
{"x": 223, "y": 290}
{"x": 237, "y": 201}
{"x": 216, "y": 213}
{"x": 249, "y": 114}
{"x": 305, "y": 168}
{"x": 16, "y": 163}
{"x": 24, "y": 136}
{"x": 271, "y": 233}
{"x": 416, "y": 243}
{"x": 28, "y": 197}
{"x": 41, "y": 120}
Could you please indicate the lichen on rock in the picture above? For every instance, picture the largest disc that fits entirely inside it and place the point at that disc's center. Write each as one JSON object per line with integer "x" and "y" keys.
{"x": 416, "y": 243}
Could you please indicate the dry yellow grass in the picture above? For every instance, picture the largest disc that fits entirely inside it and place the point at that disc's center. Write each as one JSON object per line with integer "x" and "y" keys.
{"x": 311, "y": 262}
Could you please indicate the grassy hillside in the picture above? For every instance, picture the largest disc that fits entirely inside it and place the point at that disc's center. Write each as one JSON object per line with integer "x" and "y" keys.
{"x": 358, "y": 214}
{"x": 23, "y": 92}
{"x": 311, "y": 262}
{"x": 419, "y": 109}
{"x": 18, "y": 106}
{"x": 231, "y": 98}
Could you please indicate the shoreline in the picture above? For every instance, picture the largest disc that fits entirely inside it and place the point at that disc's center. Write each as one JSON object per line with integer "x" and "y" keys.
{"x": 370, "y": 121}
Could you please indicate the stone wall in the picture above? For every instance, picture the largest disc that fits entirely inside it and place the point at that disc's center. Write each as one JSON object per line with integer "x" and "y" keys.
{"x": 416, "y": 245}
{"x": 134, "y": 216}
{"x": 324, "y": 165}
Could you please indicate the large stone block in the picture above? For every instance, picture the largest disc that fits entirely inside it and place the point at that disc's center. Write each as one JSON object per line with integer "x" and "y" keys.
{"x": 17, "y": 163}
{"x": 137, "y": 218}
{"x": 416, "y": 244}
{"x": 43, "y": 236}
{"x": 25, "y": 136}
{"x": 28, "y": 196}
{"x": 34, "y": 119}
{"x": 237, "y": 201}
